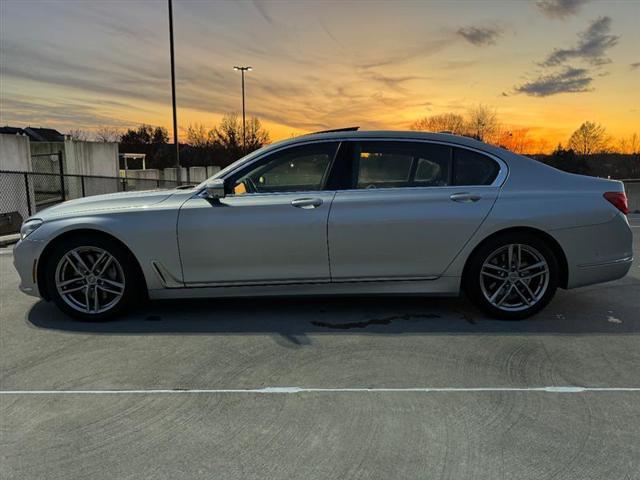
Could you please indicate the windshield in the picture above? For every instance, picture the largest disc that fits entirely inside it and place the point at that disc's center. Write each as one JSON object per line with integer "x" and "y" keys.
{"x": 233, "y": 166}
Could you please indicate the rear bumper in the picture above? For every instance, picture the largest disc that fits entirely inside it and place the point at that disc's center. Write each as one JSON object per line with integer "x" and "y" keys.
{"x": 597, "y": 253}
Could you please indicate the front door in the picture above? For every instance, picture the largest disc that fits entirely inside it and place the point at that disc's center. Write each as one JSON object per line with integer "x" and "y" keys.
{"x": 410, "y": 209}
{"x": 270, "y": 228}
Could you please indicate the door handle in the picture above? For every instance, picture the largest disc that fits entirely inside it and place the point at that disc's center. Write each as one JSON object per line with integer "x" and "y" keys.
{"x": 306, "y": 203}
{"x": 465, "y": 197}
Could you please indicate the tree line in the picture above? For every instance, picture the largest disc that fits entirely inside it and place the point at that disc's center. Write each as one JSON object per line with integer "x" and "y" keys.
{"x": 589, "y": 149}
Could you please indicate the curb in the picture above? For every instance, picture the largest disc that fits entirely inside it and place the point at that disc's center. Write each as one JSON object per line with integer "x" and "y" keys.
{"x": 7, "y": 240}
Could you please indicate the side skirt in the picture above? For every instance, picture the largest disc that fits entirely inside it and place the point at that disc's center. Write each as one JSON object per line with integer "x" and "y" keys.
{"x": 443, "y": 286}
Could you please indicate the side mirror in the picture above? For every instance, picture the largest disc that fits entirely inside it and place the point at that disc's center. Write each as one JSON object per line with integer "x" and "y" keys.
{"x": 215, "y": 190}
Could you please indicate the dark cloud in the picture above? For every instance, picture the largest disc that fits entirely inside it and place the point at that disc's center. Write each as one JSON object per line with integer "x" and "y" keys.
{"x": 634, "y": 66}
{"x": 592, "y": 47}
{"x": 480, "y": 36}
{"x": 570, "y": 80}
{"x": 560, "y": 8}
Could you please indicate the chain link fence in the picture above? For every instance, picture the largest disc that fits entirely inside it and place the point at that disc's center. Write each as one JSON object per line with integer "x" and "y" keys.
{"x": 23, "y": 194}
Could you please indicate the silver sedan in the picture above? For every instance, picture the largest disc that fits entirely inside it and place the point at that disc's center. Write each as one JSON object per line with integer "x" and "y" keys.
{"x": 377, "y": 213}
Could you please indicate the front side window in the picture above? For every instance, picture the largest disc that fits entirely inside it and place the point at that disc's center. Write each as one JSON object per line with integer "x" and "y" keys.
{"x": 295, "y": 169}
{"x": 401, "y": 164}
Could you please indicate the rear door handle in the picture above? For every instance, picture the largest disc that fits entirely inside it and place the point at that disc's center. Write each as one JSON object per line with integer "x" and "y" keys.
{"x": 306, "y": 203}
{"x": 465, "y": 197}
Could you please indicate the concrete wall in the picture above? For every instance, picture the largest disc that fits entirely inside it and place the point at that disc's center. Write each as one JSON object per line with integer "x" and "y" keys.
{"x": 170, "y": 174}
{"x": 91, "y": 158}
{"x": 14, "y": 153}
{"x": 212, "y": 170}
{"x": 197, "y": 174}
{"x": 633, "y": 195}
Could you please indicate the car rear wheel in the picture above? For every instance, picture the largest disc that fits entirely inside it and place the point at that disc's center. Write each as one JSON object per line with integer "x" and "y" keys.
{"x": 90, "y": 277}
{"x": 512, "y": 276}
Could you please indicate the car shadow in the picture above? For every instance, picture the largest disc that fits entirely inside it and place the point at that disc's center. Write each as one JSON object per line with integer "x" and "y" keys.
{"x": 608, "y": 309}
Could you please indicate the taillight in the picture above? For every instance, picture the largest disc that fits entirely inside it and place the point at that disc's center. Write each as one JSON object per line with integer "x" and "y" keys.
{"x": 618, "y": 200}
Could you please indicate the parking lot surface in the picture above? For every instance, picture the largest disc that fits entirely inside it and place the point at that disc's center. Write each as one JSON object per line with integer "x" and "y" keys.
{"x": 323, "y": 388}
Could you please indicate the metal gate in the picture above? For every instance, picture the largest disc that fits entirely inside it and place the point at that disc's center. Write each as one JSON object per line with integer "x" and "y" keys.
{"x": 48, "y": 179}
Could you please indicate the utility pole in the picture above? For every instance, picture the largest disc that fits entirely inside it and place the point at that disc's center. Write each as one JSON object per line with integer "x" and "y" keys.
{"x": 173, "y": 96}
{"x": 244, "y": 121}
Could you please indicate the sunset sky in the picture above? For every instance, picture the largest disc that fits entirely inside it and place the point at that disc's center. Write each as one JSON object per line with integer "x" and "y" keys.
{"x": 547, "y": 65}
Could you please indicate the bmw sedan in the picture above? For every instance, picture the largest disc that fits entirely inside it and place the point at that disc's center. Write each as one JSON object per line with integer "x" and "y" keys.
{"x": 344, "y": 212}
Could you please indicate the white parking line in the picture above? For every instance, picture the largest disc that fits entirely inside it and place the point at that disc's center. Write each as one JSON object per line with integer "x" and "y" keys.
{"x": 294, "y": 390}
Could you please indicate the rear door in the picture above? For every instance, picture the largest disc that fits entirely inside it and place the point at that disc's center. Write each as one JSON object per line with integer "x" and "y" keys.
{"x": 408, "y": 209}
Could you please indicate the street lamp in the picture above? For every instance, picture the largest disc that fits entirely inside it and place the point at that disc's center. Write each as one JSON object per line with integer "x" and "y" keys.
{"x": 244, "y": 123}
{"x": 173, "y": 94}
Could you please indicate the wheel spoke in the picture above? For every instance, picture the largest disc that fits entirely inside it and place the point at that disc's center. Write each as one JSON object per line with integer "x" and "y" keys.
{"x": 105, "y": 266}
{"x": 520, "y": 294}
{"x": 529, "y": 291}
{"x": 109, "y": 290}
{"x": 495, "y": 267}
{"x": 534, "y": 275}
{"x": 73, "y": 289}
{"x": 96, "y": 298}
{"x": 506, "y": 295}
{"x": 83, "y": 266}
{"x": 94, "y": 267}
{"x": 492, "y": 275}
{"x": 495, "y": 294}
{"x": 68, "y": 282}
{"x": 87, "y": 303}
{"x": 535, "y": 265}
{"x": 118, "y": 285}
{"x": 510, "y": 257}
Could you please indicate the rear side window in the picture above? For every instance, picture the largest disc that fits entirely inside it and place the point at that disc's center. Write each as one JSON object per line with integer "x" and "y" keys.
{"x": 400, "y": 164}
{"x": 471, "y": 168}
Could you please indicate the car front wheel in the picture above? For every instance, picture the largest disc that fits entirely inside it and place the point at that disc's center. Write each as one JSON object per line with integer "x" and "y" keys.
{"x": 90, "y": 277}
{"x": 512, "y": 276}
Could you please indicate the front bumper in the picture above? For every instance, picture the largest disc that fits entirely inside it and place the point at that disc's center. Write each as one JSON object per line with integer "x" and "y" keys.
{"x": 25, "y": 257}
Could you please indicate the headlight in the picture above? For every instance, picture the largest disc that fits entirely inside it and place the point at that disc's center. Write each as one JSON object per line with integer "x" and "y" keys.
{"x": 29, "y": 226}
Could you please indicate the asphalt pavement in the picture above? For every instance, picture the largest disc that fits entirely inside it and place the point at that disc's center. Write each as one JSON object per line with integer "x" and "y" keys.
{"x": 347, "y": 388}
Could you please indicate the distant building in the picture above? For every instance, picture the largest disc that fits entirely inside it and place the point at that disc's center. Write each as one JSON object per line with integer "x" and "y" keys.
{"x": 35, "y": 134}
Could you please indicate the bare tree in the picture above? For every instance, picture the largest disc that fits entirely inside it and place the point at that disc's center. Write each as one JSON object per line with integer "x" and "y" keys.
{"x": 257, "y": 136}
{"x": 630, "y": 145}
{"x": 199, "y": 136}
{"x": 483, "y": 123}
{"x": 589, "y": 138}
{"x": 445, "y": 122}
{"x": 78, "y": 135}
{"x": 107, "y": 134}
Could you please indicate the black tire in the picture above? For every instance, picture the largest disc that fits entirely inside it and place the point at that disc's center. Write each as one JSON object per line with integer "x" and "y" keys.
{"x": 133, "y": 284}
{"x": 473, "y": 286}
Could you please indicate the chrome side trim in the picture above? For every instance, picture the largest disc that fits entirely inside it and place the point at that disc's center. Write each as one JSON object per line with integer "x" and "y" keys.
{"x": 265, "y": 283}
{"x": 498, "y": 182}
{"x": 608, "y": 262}
{"x": 166, "y": 279}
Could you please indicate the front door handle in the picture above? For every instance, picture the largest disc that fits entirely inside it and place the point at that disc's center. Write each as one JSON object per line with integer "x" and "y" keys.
{"x": 306, "y": 203}
{"x": 465, "y": 197}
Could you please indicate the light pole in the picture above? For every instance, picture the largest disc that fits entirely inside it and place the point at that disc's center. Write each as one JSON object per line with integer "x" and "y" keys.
{"x": 173, "y": 95}
{"x": 244, "y": 122}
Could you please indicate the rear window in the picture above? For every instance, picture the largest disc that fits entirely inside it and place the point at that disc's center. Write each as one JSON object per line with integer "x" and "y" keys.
{"x": 391, "y": 164}
{"x": 471, "y": 168}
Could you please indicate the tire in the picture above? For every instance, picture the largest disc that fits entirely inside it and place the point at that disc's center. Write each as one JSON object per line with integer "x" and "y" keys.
{"x": 516, "y": 290}
{"x": 114, "y": 277}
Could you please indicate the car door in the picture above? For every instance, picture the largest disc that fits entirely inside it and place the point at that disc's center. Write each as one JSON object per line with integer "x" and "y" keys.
{"x": 409, "y": 209}
{"x": 271, "y": 227}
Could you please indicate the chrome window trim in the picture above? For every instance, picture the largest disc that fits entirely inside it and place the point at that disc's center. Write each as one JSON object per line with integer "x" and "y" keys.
{"x": 501, "y": 177}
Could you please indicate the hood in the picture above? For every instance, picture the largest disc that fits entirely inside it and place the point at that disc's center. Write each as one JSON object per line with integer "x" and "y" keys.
{"x": 110, "y": 201}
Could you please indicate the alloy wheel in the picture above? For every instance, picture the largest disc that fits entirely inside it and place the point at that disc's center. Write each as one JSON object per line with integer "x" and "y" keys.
{"x": 90, "y": 280}
{"x": 514, "y": 277}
